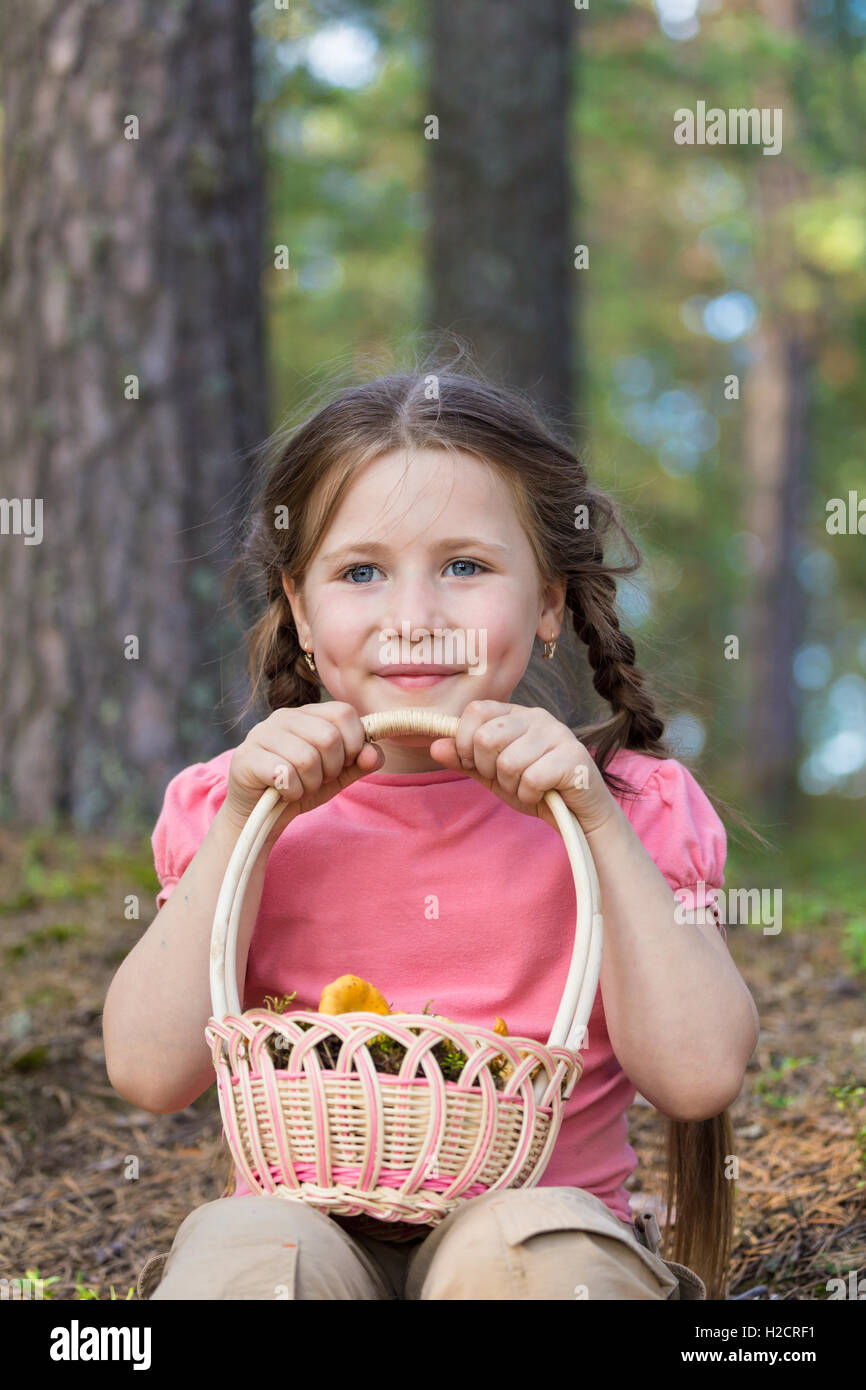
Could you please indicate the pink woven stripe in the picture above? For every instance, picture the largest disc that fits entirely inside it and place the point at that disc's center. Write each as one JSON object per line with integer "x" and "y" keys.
{"x": 276, "y": 1113}
{"x": 388, "y": 1177}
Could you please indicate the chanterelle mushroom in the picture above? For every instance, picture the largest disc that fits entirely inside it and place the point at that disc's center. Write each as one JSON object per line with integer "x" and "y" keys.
{"x": 500, "y": 1063}
{"x": 351, "y": 994}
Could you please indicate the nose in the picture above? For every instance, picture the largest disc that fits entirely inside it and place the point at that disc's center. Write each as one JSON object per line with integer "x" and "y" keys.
{"x": 416, "y": 602}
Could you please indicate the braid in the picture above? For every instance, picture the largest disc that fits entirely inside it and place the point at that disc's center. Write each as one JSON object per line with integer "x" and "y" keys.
{"x": 612, "y": 655}
{"x": 289, "y": 682}
{"x": 591, "y": 598}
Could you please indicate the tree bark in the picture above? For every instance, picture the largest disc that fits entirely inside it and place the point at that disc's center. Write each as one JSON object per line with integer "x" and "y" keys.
{"x": 123, "y": 258}
{"x": 777, "y": 450}
{"x": 501, "y": 250}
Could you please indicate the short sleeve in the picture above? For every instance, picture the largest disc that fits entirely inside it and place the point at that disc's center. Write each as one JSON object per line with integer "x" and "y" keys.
{"x": 677, "y": 825}
{"x": 191, "y": 800}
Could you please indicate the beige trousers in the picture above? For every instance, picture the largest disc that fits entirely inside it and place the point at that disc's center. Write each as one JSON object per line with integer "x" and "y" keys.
{"x": 518, "y": 1243}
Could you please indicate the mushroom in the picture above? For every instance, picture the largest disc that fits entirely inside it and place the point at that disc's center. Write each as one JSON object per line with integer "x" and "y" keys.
{"x": 501, "y": 1063}
{"x": 350, "y": 994}
{"x": 500, "y": 1027}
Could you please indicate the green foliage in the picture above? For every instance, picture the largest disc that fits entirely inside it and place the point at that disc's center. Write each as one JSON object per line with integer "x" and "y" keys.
{"x": 854, "y": 943}
{"x": 766, "y": 1084}
{"x": 817, "y": 867}
{"x": 55, "y": 866}
{"x": 45, "y": 936}
{"x": 33, "y": 1059}
{"x": 83, "y": 1292}
{"x": 387, "y": 1053}
{"x": 851, "y": 1100}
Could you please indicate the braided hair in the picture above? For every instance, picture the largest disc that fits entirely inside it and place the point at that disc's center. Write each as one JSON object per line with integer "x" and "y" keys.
{"x": 304, "y": 475}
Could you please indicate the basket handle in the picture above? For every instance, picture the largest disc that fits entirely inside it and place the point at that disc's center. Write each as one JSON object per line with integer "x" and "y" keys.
{"x": 569, "y": 1026}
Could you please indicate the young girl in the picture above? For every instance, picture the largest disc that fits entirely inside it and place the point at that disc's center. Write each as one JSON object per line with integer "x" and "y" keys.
{"x": 410, "y": 508}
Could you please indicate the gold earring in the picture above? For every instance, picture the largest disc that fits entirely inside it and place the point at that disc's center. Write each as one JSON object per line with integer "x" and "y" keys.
{"x": 549, "y": 649}
{"x": 309, "y": 660}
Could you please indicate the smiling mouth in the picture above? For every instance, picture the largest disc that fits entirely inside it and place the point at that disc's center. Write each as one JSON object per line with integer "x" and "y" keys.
{"x": 418, "y": 681}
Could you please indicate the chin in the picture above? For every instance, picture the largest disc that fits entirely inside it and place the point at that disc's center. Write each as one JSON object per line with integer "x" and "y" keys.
{"x": 409, "y": 740}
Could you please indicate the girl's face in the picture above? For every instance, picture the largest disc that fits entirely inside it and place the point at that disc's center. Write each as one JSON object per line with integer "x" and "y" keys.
{"x": 425, "y": 564}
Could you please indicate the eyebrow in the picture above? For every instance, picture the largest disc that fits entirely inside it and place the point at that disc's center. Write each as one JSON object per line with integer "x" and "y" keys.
{"x": 381, "y": 549}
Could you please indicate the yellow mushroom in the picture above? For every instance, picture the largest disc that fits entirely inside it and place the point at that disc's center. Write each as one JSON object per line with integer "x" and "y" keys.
{"x": 500, "y": 1027}
{"x": 500, "y": 1063}
{"x": 351, "y": 994}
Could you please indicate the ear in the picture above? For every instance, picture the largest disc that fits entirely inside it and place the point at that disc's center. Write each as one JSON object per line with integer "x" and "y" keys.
{"x": 296, "y": 604}
{"x": 553, "y": 610}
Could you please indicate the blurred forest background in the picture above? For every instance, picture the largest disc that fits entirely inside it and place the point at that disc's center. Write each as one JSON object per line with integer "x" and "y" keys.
{"x": 227, "y": 216}
{"x": 210, "y": 210}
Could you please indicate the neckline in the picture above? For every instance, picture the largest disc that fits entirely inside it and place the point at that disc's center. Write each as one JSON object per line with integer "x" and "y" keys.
{"x": 418, "y": 779}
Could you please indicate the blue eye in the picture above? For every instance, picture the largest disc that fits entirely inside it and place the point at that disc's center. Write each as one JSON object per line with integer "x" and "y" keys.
{"x": 354, "y": 568}
{"x": 481, "y": 568}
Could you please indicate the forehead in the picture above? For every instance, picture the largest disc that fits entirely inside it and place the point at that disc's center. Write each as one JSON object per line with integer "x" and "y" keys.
{"x": 403, "y": 494}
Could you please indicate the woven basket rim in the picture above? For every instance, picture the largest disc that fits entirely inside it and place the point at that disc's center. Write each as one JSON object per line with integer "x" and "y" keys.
{"x": 426, "y": 1023}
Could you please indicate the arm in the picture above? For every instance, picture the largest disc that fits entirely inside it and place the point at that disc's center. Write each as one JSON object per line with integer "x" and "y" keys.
{"x": 681, "y": 1020}
{"x": 158, "y": 1003}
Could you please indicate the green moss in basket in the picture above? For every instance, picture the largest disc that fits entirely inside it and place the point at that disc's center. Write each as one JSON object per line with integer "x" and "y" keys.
{"x": 386, "y": 1053}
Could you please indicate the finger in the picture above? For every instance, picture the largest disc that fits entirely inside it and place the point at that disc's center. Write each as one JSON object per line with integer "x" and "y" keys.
{"x": 304, "y": 756}
{"x": 493, "y": 737}
{"x": 444, "y": 750}
{"x": 549, "y": 771}
{"x": 333, "y": 712}
{"x": 521, "y": 754}
{"x": 476, "y": 713}
{"x": 323, "y": 733}
{"x": 348, "y": 721}
{"x": 270, "y": 766}
{"x": 370, "y": 759}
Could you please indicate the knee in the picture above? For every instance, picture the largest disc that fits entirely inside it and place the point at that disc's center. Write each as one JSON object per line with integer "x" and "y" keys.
{"x": 468, "y": 1258}
{"x": 538, "y": 1244}
{"x": 264, "y": 1247}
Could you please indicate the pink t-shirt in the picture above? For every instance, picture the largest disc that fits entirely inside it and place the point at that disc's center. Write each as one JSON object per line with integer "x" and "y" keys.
{"x": 433, "y": 889}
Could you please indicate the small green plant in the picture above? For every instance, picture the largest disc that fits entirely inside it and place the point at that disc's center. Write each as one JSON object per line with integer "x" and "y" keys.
{"x": 84, "y": 1291}
{"x": 850, "y": 1100}
{"x": 386, "y": 1052}
{"x": 854, "y": 944}
{"x": 45, "y": 936}
{"x": 34, "y": 1279}
{"x": 765, "y": 1085}
{"x": 278, "y": 1003}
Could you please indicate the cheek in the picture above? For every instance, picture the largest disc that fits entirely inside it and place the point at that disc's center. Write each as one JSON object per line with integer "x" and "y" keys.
{"x": 503, "y": 616}
{"x": 338, "y": 623}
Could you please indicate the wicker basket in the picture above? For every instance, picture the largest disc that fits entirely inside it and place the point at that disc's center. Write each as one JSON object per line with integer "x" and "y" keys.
{"x": 391, "y": 1155}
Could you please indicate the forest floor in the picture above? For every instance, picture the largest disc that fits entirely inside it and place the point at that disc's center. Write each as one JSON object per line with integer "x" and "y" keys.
{"x": 90, "y": 1186}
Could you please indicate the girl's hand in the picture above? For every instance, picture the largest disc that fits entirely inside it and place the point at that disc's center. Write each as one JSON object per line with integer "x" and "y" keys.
{"x": 521, "y": 753}
{"x": 308, "y": 753}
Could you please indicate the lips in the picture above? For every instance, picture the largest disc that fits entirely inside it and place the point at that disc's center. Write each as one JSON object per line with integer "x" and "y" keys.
{"x": 416, "y": 681}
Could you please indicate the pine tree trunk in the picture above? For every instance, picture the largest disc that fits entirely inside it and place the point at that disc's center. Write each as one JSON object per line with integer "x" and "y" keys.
{"x": 501, "y": 254}
{"x": 123, "y": 258}
{"x": 777, "y": 450}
